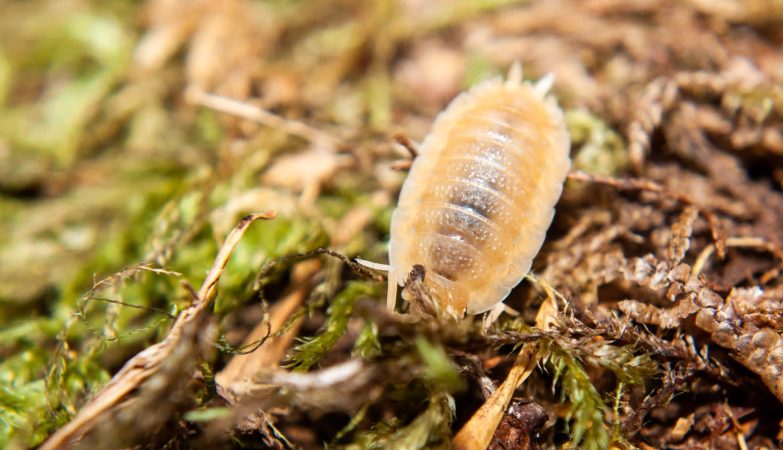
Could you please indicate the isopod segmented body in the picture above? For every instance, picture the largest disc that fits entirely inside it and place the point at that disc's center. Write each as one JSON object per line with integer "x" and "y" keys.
{"x": 480, "y": 195}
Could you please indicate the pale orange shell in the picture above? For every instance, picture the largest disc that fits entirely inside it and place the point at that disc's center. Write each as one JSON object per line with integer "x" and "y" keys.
{"x": 480, "y": 195}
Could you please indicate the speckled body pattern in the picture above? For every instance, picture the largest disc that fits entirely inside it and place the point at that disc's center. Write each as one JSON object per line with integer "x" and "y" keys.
{"x": 480, "y": 195}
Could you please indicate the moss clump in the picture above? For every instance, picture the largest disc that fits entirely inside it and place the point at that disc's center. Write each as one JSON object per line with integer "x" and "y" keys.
{"x": 312, "y": 349}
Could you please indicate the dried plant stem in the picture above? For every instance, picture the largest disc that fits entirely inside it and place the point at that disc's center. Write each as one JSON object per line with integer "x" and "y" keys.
{"x": 741, "y": 242}
{"x": 477, "y": 433}
{"x": 256, "y": 114}
{"x": 145, "y": 364}
{"x": 235, "y": 380}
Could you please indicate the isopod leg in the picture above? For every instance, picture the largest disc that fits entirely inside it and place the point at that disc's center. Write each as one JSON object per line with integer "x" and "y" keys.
{"x": 402, "y": 165}
{"x": 409, "y": 145}
{"x": 413, "y": 148}
{"x": 510, "y": 311}
{"x": 391, "y": 291}
{"x": 492, "y": 315}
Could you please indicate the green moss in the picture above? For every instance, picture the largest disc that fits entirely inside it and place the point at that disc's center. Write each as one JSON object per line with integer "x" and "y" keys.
{"x": 379, "y": 100}
{"x": 312, "y": 349}
{"x": 265, "y": 241}
{"x": 757, "y": 103}
{"x": 207, "y": 414}
{"x": 587, "y": 413}
{"x": 367, "y": 344}
{"x": 25, "y": 421}
{"x": 430, "y": 429}
{"x": 439, "y": 370}
{"x": 600, "y": 149}
{"x": 87, "y": 51}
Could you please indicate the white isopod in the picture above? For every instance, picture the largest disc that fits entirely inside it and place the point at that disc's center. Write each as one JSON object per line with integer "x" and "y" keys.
{"x": 480, "y": 195}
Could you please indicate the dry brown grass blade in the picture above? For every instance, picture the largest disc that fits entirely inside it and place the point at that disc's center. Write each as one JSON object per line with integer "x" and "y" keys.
{"x": 235, "y": 380}
{"x": 477, "y": 433}
{"x": 256, "y": 114}
{"x": 146, "y": 363}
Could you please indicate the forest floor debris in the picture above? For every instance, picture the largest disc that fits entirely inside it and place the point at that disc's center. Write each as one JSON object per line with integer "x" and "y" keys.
{"x": 134, "y": 136}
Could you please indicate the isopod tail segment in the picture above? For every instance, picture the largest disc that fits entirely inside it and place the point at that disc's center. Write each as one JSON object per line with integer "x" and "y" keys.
{"x": 541, "y": 87}
{"x": 514, "y": 74}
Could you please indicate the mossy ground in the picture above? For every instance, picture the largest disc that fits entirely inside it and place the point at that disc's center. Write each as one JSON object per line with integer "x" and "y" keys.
{"x": 118, "y": 187}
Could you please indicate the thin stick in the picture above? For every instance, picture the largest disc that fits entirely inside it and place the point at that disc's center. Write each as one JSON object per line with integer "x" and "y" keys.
{"x": 256, "y": 114}
{"x": 741, "y": 242}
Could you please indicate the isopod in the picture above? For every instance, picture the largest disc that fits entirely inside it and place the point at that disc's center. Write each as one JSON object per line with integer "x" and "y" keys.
{"x": 480, "y": 196}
